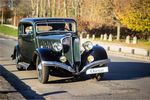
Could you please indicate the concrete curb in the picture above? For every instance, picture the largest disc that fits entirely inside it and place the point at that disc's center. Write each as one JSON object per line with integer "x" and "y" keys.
{"x": 130, "y": 56}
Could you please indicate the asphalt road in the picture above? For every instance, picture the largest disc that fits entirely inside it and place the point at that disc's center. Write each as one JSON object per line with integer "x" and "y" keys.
{"x": 127, "y": 79}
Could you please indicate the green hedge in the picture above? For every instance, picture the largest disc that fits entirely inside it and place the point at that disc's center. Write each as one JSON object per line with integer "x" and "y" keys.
{"x": 8, "y": 30}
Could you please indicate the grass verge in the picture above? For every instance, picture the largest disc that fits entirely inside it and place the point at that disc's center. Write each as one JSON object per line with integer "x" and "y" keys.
{"x": 5, "y": 30}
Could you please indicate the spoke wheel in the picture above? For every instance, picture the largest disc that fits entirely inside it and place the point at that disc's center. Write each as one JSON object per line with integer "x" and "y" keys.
{"x": 42, "y": 71}
{"x": 19, "y": 67}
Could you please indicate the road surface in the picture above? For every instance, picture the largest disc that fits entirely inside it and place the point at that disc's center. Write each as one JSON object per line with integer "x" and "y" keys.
{"x": 127, "y": 79}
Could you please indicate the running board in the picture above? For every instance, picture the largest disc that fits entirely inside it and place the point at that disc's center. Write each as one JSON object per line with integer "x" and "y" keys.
{"x": 24, "y": 65}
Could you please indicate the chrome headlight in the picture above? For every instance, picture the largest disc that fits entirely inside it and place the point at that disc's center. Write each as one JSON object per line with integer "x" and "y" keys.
{"x": 87, "y": 45}
{"x": 57, "y": 46}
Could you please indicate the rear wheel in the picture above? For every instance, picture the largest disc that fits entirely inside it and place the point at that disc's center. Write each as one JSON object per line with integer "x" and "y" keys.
{"x": 42, "y": 71}
{"x": 18, "y": 59}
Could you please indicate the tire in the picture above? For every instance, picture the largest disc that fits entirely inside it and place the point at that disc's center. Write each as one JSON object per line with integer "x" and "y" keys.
{"x": 18, "y": 59}
{"x": 99, "y": 77}
{"x": 43, "y": 72}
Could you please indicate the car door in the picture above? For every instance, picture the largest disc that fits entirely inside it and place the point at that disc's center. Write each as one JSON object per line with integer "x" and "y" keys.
{"x": 26, "y": 41}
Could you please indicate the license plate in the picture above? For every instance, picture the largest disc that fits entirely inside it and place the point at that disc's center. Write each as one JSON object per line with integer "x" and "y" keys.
{"x": 97, "y": 70}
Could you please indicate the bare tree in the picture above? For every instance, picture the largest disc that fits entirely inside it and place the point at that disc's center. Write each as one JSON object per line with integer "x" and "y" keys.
{"x": 3, "y": 4}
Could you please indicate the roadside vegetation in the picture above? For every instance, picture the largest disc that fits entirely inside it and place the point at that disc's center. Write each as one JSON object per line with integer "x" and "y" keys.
{"x": 121, "y": 18}
{"x": 5, "y": 30}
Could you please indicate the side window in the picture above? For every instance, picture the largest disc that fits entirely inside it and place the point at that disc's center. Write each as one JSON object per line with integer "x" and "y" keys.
{"x": 27, "y": 29}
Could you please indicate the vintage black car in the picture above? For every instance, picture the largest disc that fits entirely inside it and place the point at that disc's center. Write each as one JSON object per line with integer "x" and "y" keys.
{"x": 52, "y": 45}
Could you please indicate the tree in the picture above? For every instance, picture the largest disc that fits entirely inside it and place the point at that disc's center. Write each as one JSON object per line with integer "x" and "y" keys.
{"x": 136, "y": 15}
{"x": 3, "y": 5}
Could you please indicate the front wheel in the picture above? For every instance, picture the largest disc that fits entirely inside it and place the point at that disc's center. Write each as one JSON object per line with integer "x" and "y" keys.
{"x": 42, "y": 71}
{"x": 98, "y": 77}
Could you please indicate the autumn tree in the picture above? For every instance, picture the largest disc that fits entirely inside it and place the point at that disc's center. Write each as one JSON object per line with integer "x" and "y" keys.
{"x": 136, "y": 15}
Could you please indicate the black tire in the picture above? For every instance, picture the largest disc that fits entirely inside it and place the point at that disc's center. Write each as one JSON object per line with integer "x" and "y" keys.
{"x": 18, "y": 59}
{"x": 99, "y": 77}
{"x": 43, "y": 72}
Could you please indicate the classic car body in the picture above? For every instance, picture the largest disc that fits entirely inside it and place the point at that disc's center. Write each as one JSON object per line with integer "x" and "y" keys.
{"x": 52, "y": 45}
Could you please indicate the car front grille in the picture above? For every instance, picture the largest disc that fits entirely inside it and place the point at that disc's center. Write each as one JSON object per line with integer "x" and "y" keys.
{"x": 71, "y": 49}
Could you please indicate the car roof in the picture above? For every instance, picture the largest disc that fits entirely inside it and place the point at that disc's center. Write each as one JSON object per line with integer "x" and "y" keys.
{"x": 34, "y": 20}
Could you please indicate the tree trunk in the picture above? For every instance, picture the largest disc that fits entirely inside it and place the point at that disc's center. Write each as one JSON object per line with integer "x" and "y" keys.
{"x": 54, "y": 9}
{"x": 65, "y": 8}
{"x": 37, "y": 8}
{"x": 118, "y": 31}
{"x": 49, "y": 10}
{"x": 2, "y": 20}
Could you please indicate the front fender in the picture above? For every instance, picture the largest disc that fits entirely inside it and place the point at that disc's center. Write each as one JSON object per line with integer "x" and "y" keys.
{"x": 97, "y": 52}
{"x": 47, "y": 54}
{"x": 51, "y": 58}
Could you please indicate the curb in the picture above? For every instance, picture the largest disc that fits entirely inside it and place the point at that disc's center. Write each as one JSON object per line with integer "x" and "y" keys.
{"x": 130, "y": 56}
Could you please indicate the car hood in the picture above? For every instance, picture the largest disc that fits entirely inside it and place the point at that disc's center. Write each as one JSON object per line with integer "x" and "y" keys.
{"x": 46, "y": 41}
{"x": 70, "y": 42}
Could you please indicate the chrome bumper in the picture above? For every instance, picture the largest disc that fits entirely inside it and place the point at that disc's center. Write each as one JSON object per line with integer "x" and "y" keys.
{"x": 58, "y": 64}
{"x": 70, "y": 69}
{"x": 95, "y": 63}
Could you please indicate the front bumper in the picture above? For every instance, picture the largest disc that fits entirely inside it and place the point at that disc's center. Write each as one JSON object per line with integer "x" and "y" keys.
{"x": 95, "y": 63}
{"x": 59, "y": 65}
{"x": 70, "y": 69}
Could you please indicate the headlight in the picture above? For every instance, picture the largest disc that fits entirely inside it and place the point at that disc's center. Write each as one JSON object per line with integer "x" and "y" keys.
{"x": 90, "y": 58}
{"x": 87, "y": 45}
{"x": 57, "y": 46}
{"x": 63, "y": 59}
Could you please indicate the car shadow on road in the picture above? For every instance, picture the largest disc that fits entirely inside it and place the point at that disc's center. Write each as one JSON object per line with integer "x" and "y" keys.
{"x": 127, "y": 70}
{"x": 52, "y": 93}
{"x": 21, "y": 87}
{"x": 69, "y": 80}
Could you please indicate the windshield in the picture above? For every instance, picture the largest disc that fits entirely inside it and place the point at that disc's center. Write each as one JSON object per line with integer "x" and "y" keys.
{"x": 55, "y": 27}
